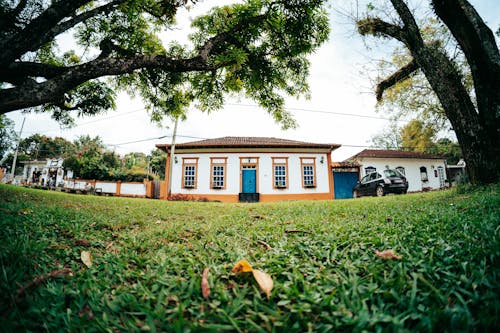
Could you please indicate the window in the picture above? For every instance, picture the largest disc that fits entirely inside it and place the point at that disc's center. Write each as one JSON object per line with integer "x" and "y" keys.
{"x": 423, "y": 174}
{"x": 308, "y": 172}
{"x": 369, "y": 170}
{"x": 280, "y": 172}
{"x": 218, "y": 172}
{"x": 189, "y": 172}
{"x": 401, "y": 170}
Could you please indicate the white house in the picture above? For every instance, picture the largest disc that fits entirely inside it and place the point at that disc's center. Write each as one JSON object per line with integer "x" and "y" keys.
{"x": 423, "y": 171}
{"x": 48, "y": 172}
{"x": 250, "y": 169}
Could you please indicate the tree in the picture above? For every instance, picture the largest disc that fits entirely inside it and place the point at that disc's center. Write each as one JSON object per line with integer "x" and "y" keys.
{"x": 389, "y": 138}
{"x": 418, "y": 136}
{"x": 7, "y": 135}
{"x": 39, "y": 146}
{"x": 477, "y": 129}
{"x": 157, "y": 162}
{"x": 258, "y": 48}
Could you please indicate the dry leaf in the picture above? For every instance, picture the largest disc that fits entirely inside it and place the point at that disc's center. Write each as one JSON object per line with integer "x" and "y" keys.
{"x": 86, "y": 258}
{"x": 205, "y": 287}
{"x": 109, "y": 245}
{"x": 82, "y": 242}
{"x": 264, "y": 281}
{"x": 387, "y": 254}
{"x": 242, "y": 266}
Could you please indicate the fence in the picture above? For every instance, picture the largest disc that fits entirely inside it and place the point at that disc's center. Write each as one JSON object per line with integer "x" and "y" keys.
{"x": 122, "y": 189}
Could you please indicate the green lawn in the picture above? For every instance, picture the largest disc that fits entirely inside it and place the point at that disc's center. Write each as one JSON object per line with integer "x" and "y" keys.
{"x": 148, "y": 257}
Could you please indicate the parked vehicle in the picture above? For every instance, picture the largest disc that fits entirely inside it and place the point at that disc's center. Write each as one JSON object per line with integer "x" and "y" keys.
{"x": 392, "y": 181}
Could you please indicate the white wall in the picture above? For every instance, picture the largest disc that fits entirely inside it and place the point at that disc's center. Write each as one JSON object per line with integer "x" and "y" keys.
{"x": 264, "y": 173}
{"x": 106, "y": 187}
{"x": 133, "y": 189}
{"x": 412, "y": 170}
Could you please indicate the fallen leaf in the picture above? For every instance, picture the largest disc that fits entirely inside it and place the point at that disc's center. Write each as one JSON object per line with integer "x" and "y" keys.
{"x": 205, "y": 287}
{"x": 387, "y": 254}
{"x": 296, "y": 231}
{"x": 109, "y": 245}
{"x": 264, "y": 281}
{"x": 86, "y": 258}
{"x": 267, "y": 246}
{"x": 242, "y": 266}
{"x": 25, "y": 211}
{"x": 82, "y": 242}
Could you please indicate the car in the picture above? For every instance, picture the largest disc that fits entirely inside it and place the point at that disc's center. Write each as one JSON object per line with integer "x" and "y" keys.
{"x": 392, "y": 181}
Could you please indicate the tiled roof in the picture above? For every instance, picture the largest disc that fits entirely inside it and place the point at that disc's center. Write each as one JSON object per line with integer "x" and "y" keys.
{"x": 346, "y": 164}
{"x": 379, "y": 153}
{"x": 249, "y": 142}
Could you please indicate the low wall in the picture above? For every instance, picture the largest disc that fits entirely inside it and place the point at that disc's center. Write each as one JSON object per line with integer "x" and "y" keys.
{"x": 111, "y": 188}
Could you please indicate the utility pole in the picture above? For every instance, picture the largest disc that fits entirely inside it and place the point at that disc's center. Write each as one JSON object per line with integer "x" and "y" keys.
{"x": 17, "y": 148}
{"x": 172, "y": 159}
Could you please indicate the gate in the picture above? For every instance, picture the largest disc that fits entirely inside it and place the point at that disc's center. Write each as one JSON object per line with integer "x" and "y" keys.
{"x": 156, "y": 189}
{"x": 343, "y": 183}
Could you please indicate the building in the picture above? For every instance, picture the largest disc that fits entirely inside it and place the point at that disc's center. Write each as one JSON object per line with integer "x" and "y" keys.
{"x": 423, "y": 171}
{"x": 250, "y": 169}
{"x": 47, "y": 172}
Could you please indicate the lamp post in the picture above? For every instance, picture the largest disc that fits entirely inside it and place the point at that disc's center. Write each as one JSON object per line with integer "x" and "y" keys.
{"x": 13, "y": 171}
{"x": 172, "y": 156}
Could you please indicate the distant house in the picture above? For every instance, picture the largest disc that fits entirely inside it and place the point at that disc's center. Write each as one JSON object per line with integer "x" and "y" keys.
{"x": 251, "y": 169}
{"x": 48, "y": 172}
{"x": 423, "y": 171}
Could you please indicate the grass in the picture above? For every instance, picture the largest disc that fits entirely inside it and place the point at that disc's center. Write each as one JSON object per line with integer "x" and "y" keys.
{"x": 148, "y": 257}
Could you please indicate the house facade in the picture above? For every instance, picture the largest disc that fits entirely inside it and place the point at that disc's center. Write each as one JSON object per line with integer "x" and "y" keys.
{"x": 250, "y": 169}
{"x": 49, "y": 172}
{"x": 423, "y": 171}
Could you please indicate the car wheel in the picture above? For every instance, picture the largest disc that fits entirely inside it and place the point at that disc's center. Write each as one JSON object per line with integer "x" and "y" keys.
{"x": 380, "y": 191}
{"x": 355, "y": 194}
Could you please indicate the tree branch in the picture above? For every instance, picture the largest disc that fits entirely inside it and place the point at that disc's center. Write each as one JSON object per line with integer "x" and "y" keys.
{"x": 66, "y": 25}
{"x": 399, "y": 76}
{"x": 16, "y": 45}
{"x": 377, "y": 27}
{"x": 29, "y": 69}
{"x": 52, "y": 90}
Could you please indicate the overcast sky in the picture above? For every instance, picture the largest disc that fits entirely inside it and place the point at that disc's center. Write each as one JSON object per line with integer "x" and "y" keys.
{"x": 341, "y": 109}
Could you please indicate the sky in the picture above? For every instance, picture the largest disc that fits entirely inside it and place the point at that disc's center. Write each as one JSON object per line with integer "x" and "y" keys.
{"x": 341, "y": 109}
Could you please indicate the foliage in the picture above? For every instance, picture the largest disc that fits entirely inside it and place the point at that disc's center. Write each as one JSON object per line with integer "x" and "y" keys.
{"x": 414, "y": 97}
{"x": 148, "y": 257}
{"x": 39, "y": 146}
{"x": 257, "y": 48}
{"x": 158, "y": 159}
{"x": 417, "y": 136}
{"x": 7, "y": 135}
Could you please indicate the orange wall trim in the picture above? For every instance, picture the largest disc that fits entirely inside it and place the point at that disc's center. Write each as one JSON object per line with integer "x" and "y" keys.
{"x": 264, "y": 197}
{"x": 288, "y": 197}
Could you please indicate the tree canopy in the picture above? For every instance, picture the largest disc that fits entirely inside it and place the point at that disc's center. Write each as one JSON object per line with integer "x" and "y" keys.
{"x": 7, "y": 135}
{"x": 257, "y": 48}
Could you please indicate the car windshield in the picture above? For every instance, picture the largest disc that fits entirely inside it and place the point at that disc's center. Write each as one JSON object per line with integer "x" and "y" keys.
{"x": 392, "y": 173}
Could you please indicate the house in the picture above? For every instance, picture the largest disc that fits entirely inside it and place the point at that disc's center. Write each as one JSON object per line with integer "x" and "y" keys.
{"x": 250, "y": 169}
{"x": 423, "y": 171}
{"x": 48, "y": 172}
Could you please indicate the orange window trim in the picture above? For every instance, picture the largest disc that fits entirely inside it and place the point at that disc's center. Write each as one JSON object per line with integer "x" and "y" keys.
{"x": 184, "y": 165}
{"x": 212, "y": 165}
{"x": 286, "y": 172}
{"x": 313, "y": 164}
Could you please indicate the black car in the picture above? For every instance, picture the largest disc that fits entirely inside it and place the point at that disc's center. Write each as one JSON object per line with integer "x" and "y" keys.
{"x": 392, "y": 181}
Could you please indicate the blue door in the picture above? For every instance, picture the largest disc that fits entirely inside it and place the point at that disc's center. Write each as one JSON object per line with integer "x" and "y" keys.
{"x": 249, "y": 183}
{"x": 344, "y": 182}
